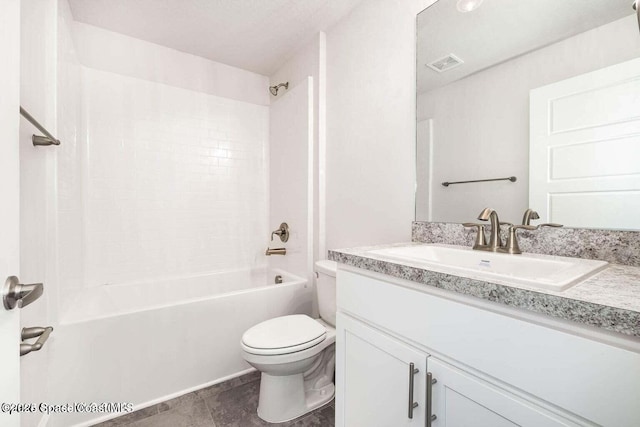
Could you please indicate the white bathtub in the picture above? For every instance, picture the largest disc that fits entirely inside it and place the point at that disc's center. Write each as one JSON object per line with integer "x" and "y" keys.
{"x": 148, "y": 342}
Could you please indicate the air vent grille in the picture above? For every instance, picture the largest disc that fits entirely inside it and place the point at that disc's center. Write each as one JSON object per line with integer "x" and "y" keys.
{"x": 445, "y": 63}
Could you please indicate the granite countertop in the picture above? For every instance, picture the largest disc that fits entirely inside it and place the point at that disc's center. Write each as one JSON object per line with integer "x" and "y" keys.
{"x": 610, "y": 299}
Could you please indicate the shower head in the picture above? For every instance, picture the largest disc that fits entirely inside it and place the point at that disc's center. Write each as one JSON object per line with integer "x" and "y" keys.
{"x": 274, "y": 89}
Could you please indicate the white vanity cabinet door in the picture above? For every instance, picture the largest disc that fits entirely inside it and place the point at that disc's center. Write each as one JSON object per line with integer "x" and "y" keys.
{"x": 372, "y": 378}
{"x": 460, "y": 399}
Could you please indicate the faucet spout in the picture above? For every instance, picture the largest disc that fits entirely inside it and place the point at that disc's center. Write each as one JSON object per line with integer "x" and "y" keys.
{"x": 495, "y": 242}
{"x": 529, "y": 214}
{"x": 275, "y": 251}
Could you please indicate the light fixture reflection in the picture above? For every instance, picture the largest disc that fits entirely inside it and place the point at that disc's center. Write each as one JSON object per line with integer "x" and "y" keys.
{"x": 468, "y": 5}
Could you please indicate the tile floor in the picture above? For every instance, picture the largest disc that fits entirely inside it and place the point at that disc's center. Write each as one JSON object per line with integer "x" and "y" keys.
{"x": 232, "y": 403}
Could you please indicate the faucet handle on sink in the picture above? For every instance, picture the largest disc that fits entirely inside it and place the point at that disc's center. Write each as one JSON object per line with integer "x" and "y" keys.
{"x": 481, "y": 239}
{"x": 550, "y": 224}
{"x": 512, "y": 247}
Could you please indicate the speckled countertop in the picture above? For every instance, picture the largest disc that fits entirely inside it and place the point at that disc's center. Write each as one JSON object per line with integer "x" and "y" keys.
{"x": 610, "y": 299}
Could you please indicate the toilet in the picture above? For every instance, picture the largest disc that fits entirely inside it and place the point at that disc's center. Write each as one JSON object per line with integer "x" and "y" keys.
{"x": 296, "y": 355}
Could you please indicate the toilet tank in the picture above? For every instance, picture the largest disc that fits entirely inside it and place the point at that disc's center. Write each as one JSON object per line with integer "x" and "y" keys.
{"x": 326, "y": 289}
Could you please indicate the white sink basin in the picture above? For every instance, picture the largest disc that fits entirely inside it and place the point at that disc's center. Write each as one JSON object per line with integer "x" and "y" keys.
{"x": 554, "y": 273}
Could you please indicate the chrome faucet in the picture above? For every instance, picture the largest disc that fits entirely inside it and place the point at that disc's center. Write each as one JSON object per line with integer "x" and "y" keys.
{"x": 529, "y": 214}
{"x": 495, "y": 242}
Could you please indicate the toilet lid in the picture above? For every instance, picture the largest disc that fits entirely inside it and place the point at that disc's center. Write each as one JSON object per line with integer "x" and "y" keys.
{"x": 284, "y": 334}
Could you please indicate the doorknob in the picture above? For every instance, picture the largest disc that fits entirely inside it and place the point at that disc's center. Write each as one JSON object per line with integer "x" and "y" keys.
{"x": 36, "y": 332}
{"x": 16, "y": 294}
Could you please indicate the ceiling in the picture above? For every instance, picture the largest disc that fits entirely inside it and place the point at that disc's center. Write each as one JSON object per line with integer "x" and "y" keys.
{"x": 255, "y": 35}
{"x": 502, "y": 29}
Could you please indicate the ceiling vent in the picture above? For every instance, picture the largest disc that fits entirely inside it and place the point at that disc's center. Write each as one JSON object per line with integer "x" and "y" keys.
{"x": 446, "y": 63}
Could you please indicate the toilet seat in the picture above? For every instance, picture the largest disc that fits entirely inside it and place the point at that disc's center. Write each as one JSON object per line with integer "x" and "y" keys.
{"x": 283, "y": 335}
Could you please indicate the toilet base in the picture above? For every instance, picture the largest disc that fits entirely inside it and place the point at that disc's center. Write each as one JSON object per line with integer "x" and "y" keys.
{"x": 283, "y": 398}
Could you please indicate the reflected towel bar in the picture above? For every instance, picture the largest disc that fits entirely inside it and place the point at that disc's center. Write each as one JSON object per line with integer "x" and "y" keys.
{"x": 511, "y": 178}
{"x": 48, "y": 139}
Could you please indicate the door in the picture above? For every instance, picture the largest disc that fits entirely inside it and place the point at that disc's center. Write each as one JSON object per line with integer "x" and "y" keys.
{"x": 9, "y": 203}
{"x": 380, "y": 380}
{"x": 460, "y": 399}
{"x": 584, "y": 149}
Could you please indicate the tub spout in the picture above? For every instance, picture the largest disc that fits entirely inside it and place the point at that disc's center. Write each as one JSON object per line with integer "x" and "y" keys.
{"x": 276, "y": 251}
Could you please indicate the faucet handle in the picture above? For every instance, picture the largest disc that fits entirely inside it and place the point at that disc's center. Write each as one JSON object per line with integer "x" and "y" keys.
{"x": 282, "y": 232}
{"x": 512, "y": 247}
{"x": 481, "y": 239}
{"x": 525, "y": 227}
{"x": 550, "y": 224}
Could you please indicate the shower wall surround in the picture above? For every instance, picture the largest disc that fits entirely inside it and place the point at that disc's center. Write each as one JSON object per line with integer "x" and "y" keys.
{"x": 69, "y": 204}
{"x": 175, "y": 180}
{"x": 161, "y": 178}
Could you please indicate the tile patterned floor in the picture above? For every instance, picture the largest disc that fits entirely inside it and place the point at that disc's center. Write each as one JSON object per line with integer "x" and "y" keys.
{"x": 232, "y": 403}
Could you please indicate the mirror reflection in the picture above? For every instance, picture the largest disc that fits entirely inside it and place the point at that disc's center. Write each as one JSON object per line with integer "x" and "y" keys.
{"x": 545, "y": 91}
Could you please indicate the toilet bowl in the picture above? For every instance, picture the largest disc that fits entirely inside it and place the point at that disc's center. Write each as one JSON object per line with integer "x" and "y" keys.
{"x": 296, "y": 355}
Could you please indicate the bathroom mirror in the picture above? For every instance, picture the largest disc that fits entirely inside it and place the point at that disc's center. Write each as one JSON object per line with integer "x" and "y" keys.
{"x": 546, "y": 91}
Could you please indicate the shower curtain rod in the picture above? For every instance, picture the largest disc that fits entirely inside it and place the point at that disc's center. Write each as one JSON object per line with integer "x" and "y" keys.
{"x": 48, "y": 139}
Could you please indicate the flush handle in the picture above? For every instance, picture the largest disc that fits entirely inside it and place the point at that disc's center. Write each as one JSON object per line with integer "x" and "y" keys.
{"x": 15, "y": 293}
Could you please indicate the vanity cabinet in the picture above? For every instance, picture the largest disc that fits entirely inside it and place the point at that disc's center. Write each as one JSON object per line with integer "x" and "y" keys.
{"x": 490, "y": 369}
{"x": 383, "y": 376}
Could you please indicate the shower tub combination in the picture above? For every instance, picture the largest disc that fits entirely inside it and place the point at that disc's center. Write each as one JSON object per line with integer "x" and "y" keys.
{"x": 149, "y": 342}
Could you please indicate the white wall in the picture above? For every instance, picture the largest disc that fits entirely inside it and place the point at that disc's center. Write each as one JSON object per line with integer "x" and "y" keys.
{"x": 109, "y": 51}
{"x": 481, "y": 123}
{"x": 290, "y": 145}
{"x": 310, "y": 61}
{"x": 371, "y": 124}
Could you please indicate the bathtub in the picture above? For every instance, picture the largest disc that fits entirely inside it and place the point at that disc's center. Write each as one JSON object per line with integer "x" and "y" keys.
{"x": 148, "y": 342}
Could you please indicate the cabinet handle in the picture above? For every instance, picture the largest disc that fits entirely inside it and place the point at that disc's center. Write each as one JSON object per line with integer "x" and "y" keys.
{"x": 412, "y": 372}
{"x": 430, "y": 382}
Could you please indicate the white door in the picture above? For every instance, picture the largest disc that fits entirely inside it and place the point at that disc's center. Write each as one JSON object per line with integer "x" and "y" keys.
{"x": 375, "y": 380}
{"x": 584, "y": 164}
{"x": 460, "y": 399}
{"x": 9, "y": 203}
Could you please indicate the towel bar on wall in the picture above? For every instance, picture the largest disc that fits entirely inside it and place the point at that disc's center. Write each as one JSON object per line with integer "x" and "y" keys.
{"x": 510, "y": 178}
{"x": 48, "y": 139}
